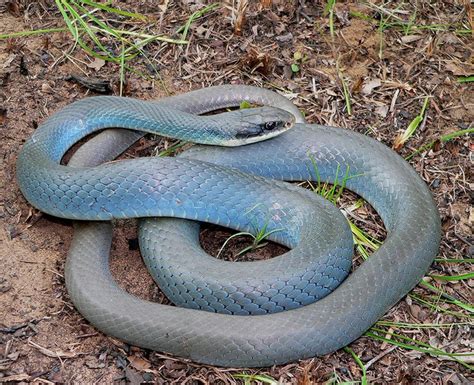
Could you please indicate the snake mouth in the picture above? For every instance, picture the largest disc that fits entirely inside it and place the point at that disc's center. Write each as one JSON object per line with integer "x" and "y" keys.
{"x": 265, "y": 130}
{"x": 249, "y": 134}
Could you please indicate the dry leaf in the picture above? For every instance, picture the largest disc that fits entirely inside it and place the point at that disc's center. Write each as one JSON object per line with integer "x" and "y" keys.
{"x": 140, "y": 364}
{"x": 8, "y": 60}
{"x": 382, "y": 110}
{"x": 97, "y": 64}
{"x": 395, "y": 84}
{"x": 448, "y": 38}
{"x": 458, "y": 70}
{"x": 133, "y": 378}
{"x": 47, "y": 89}
{"x": 410, "y": 38}
{"x": 368, "y": 86}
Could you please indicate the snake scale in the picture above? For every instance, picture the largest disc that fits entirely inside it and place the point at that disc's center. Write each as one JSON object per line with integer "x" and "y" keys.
{"x": 229, "y": 186}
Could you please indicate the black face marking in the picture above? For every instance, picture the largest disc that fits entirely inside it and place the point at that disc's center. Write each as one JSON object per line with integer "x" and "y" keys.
{"x": 247, "y": 134}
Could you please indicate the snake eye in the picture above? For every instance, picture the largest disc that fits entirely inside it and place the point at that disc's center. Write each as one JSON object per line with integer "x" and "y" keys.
{"x": 269, "y": 126}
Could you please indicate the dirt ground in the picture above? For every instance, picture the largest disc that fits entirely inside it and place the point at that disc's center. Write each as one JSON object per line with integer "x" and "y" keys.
{"x": 388, "y": 73}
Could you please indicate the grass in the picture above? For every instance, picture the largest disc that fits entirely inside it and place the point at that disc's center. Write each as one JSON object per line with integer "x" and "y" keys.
{"x": 329, "y": 10}
{"x": 196, "y": 15}
{"x": 258, "y": 236}
{"x": 364, "y": 242}
{"x": 454, "y": 260}
{"x": 409, "y": 343}
{"x": 93, "y": 32}
{"x": 466, "y": 79}
{"x": 388, "y": 19}
{"x": 345, "y": 89}
{"x": 383, "y": 21}
{"x": 442, "y": 139}
{"x": 402, "y": 138}
{"x": 92, "y": 26}
{"x": 363, "y": 379}
{"x": 451, "y": 278}
{"x": 365, "y": 245}
{"x": 248, "y": 378}
{"x": 331, "y": 192}
{"x": 402, "y": 325}
{"x": 440, "y": 294}
{"x": 172, "y": 149}
{"x": 96, "y": 35}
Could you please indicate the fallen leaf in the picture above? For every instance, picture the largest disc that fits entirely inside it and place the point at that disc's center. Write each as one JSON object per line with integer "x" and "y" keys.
{"x": 369, "y": 86}
{"x": 448, "y": 38}
{"x": 285, "y": 38}
{"x": 460, "y": 70}
{"x": 139, "y": 363}
{"x": 410, "y": 38}
{"x": 382, "y": 110}
{"x": 395, "y": 84}
{"x": 46, "y": 88}
{"x": 133, "y": 378}
{"x": 97, "y": 64}
{"x": 8, "y": 60}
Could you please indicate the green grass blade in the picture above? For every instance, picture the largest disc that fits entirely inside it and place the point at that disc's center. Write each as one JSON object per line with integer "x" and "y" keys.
{"x": 356, "y": 358}
{"x": 443, "y": 139}
{"x": 85, "y": 26}
{"x": 466, "y": 79}
{"x": 170, "y": 150}
{"x": 451, "y": 278}
{"x": 117, "y": 11}
{"x": 447, "y": 297}
{"x": 31, "y": 33}
{"x": 453, "y": 260}
{"x": 329, "y": 10}
{"x": 67, "y": 20}
{"x": 232, "y": 237}
{"x": 122, "y": 70}
{"x": 405, "y": 325}
{"x": 436, "y": 308}
{"x": 412, "y": 344}
{"x": 256, "y": 377}
{"x": 401, "y": 139}
{"x": 196, "y": 15}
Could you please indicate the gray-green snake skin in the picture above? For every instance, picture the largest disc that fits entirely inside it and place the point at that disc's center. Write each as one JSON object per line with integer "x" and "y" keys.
{"x": 383, "y": 178}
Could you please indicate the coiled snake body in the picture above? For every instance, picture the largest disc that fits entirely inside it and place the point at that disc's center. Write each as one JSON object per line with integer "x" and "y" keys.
{"x": 225, "y": 186}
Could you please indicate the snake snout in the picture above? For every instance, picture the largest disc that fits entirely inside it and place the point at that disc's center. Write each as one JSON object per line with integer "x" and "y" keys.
{"x": 262, "y": 123}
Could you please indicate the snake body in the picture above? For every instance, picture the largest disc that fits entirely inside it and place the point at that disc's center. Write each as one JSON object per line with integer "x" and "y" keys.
{"x": 383, "y": 178}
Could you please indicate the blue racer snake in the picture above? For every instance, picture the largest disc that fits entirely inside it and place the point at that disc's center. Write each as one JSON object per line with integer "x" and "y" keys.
{"x": 314, "y": 308}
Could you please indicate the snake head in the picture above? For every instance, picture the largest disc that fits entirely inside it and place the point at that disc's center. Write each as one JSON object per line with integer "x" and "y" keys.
{"x": 257, "y": 124}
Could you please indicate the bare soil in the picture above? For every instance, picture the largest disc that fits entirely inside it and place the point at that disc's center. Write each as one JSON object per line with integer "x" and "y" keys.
{"x": 44, "y": 339}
